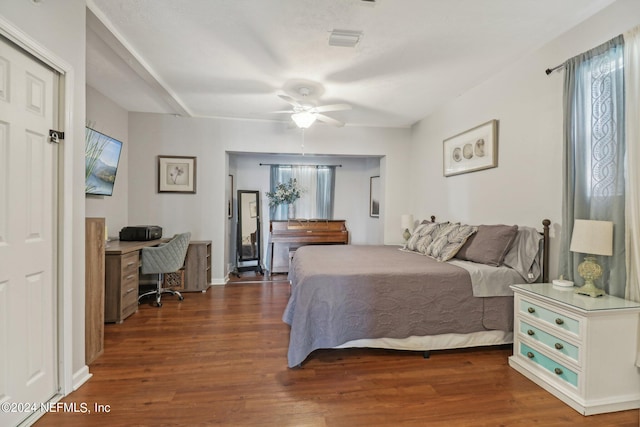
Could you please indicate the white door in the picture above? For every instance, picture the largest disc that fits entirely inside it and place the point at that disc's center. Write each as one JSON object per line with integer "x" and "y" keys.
{"x": 28, "y": 329}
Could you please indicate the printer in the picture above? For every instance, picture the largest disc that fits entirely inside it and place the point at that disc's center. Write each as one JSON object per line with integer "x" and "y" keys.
{"x": 141, "y": 233}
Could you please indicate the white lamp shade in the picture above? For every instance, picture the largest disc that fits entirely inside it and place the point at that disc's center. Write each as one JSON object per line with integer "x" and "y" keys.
{"x": 406, "y": 222}
{"x": 304, "y": 119}
{"x": 592, "y": 237}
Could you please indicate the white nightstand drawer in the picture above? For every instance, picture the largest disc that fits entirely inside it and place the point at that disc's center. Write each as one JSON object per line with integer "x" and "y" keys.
{"x": 557, "y": 320}
{"x": 559, "y": 370}
{"x": 554, "y": 343}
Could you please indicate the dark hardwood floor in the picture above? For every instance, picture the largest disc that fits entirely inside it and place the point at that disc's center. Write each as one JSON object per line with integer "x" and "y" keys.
{"x": 219, "y": 358}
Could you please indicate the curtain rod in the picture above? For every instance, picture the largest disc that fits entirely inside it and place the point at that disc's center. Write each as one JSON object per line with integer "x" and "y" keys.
{"x": 278, "y": 164}
{"x": 551, "y": 70}
{"x": 616, "y": 41}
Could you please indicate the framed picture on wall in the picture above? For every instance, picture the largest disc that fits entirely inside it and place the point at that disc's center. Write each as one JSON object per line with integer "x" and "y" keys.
{"x": 374, "y": 196}
{"x": 176, "y": 174}
{"x": 230, "y": 197}
{"x": 471, "y": 150}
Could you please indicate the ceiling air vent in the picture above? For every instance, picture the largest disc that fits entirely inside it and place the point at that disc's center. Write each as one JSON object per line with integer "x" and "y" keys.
{"x": 344, "y": 38}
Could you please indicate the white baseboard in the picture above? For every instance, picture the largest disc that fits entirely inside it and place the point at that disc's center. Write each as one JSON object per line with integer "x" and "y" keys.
{"x": 80, "y": 377}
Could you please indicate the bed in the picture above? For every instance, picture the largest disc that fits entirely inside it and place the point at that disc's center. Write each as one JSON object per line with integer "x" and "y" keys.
{"x": 419, "y": 297}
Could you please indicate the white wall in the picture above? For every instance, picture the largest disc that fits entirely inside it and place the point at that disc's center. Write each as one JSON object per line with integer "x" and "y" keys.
{"x": 210, "y": 140}
{"x": 59, "y": 27}
{"x": 527, "y": 184}
{"x": 107, "y": 117}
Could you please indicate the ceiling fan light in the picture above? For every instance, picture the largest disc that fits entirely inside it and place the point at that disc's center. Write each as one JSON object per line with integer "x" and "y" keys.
{"x": 304, "y": 119}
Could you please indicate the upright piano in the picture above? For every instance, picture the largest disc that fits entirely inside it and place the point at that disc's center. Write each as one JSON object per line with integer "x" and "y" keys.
{"x": 288, "y": 235}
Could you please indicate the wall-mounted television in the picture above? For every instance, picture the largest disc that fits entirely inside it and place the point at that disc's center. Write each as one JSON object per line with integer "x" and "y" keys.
{"x": 102, "y": 154}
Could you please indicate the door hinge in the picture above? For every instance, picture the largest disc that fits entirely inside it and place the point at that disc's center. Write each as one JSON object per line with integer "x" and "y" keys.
{"x": 56, "y": 136}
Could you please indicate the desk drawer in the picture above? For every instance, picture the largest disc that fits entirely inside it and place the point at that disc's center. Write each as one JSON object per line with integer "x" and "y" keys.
{"x": 557, "y": 369}
{"x": 553, "y": 318}
{"x": 130, "y": 264}
{"x": 556, "y": 344}
{"x": 129, "y": 284}
{"x": 129, "y": 287}
{"x": 129, "y": 304}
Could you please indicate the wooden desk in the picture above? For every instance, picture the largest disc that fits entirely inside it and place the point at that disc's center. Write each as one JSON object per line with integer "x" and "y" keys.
{"x": 119, "y": 247}
{"x": 122, "y": 280}
{"x": 287, "y": 236}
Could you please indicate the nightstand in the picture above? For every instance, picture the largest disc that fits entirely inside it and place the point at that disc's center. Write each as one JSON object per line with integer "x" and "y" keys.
{"x": 580, "y": 349}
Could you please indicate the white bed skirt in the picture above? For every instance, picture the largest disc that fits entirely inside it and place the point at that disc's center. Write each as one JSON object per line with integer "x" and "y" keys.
{"x": 435, "y": 342}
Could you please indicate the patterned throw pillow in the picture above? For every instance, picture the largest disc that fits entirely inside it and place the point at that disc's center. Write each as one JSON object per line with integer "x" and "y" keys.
{"x": 427, "y": 238}
{"x": 422, "y": 231}
{"x": 449, "y": 241}
{"x": 415, "y": 236}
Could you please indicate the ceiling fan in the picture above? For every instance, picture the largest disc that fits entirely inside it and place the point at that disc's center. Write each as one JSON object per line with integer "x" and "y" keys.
{"x": 305, "y": 112}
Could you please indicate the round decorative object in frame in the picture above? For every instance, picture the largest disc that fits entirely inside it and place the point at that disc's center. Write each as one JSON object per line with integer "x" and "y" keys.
{"x": 467, "y": 151}
{"x": 479, "y": 148}
{"x": 457, "y": 154}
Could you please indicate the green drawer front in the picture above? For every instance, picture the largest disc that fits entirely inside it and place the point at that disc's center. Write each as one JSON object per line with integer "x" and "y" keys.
{"x": 558, "y": 320}
{"x": 555, "y": 343}
{"x": 550, "y": 365}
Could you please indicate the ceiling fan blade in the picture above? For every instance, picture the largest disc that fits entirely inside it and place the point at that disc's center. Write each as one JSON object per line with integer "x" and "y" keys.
{"x": 329, "y": 120}
{"x": 332, "y": 107}
{"x": 289, "y": 100}
{"x": 282, "y": 111}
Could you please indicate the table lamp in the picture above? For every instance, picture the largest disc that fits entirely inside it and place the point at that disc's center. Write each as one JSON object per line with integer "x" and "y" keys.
{"x": 591, "y": 238}
{"x": 406, "y": 223}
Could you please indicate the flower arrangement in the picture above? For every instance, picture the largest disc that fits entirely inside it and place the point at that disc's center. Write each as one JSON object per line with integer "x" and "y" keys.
{"x": 285, "y": 192}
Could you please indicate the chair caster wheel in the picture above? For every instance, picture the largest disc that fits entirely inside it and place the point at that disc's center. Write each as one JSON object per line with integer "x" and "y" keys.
{"x": 159, "y": 304}
{"x": 180, "y": 298}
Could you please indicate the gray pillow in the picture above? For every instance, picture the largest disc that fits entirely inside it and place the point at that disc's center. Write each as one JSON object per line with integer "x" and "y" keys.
{"x": 524, "y": 255}
{"x": 489, "y": 245}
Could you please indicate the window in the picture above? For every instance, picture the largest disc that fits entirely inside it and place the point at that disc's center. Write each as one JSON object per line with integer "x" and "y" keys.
{"x": 318, "y": 183}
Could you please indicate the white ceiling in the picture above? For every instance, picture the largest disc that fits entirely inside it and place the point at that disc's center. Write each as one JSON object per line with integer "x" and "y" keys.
{"x": 230, "y": 58}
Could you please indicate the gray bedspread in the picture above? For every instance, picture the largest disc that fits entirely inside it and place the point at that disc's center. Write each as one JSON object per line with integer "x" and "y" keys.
{"x": 343, "y": 293}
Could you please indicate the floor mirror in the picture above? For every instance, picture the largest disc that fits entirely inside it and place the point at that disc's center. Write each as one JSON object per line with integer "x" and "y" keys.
{"x": 249, "y": 240}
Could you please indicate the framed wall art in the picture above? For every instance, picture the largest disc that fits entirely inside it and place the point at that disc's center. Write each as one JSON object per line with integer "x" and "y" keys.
{"x": 472, "y": 150}
{"x": 176, "y": 174}
{"x": 230, "y": 196}
{"x": 374, "y": 196}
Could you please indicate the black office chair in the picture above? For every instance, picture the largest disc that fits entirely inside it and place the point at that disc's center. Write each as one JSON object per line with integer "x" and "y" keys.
{"x": 166, "y": 258}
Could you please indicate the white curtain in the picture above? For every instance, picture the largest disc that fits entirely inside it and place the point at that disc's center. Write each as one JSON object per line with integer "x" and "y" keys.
{"x": 632, "y": 207}
{"x": 307, "y": 177}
